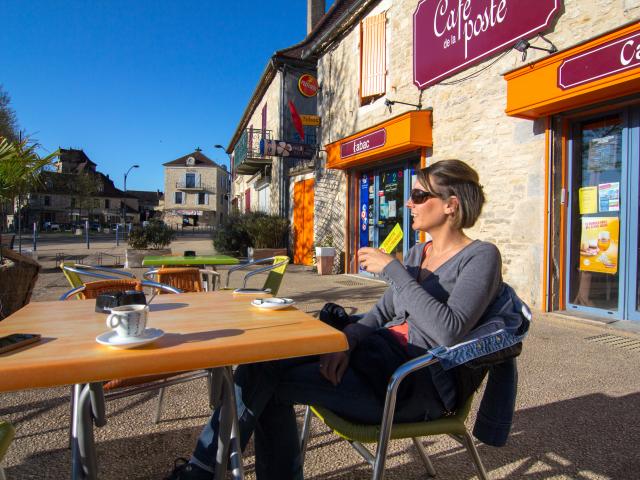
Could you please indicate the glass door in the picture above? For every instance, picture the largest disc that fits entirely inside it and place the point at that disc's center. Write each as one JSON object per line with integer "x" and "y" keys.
{"x": 382, "y": 207}
{"x": 602, "y": 261}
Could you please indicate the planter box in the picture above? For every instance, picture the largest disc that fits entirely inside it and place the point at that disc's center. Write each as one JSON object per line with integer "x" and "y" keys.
{"x": 325, "y": 257}
{"x": 260, "y": 253}
{"x": 18, "y": 275}
{"x": 133, "y": 258}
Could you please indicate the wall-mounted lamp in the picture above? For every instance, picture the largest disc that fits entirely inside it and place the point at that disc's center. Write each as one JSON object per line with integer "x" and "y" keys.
{"x": 388, "y": 103}
{"x": 523, "y": 45}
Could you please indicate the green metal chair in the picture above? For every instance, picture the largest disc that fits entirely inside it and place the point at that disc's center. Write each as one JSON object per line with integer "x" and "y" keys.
{"x": 358, "y": 434}
{"x": 276, "y": 273}
{"x": 7, "y": 433}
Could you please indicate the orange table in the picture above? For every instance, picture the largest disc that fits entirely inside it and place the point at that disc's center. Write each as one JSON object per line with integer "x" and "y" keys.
{"x": 202, "y": 331}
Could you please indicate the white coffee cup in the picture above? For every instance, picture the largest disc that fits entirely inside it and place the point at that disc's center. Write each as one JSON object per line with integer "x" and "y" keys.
{"x": 128, "y": 320}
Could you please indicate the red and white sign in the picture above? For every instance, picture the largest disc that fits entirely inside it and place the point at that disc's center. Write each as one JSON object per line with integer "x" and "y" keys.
{"x": 599, "y": 62}
{"x": 452, "y": 35}
{"x": 308, "y": 85}
{"x": 370, "y": 141}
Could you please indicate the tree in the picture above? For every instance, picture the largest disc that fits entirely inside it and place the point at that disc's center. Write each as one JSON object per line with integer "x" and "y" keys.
{"x": 20, "y": 170}
{"x": 86, "y": 186}
{"x": 8, "y": 119}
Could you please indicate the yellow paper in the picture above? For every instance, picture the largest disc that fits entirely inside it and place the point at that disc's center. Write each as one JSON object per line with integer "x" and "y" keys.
{"x": 588, "y": 200}
{"x": 599, "y": 244}
{"x": 392, "y": 240}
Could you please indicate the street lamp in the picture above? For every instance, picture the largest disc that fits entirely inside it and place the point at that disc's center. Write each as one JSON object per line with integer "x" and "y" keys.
{"x": 124, "y": 202}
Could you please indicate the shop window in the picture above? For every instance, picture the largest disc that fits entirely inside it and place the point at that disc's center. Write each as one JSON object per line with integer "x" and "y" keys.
{"x": 372, "y": 57}
{"x": 178, "y": 198}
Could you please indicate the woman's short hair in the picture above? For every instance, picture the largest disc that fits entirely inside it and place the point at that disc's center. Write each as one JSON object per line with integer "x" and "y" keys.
{"x": 448, "y": 178}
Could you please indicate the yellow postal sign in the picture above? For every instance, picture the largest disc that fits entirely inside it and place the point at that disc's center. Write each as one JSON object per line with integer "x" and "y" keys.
{"x": 392, "y": 240}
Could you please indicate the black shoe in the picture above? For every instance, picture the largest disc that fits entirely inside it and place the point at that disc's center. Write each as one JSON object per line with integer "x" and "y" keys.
{"x": 183, "y": 470}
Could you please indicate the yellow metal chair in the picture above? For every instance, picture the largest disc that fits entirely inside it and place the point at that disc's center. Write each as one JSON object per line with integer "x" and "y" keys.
{"x": 7, "y": 433}
{"x": 276, "y": 271}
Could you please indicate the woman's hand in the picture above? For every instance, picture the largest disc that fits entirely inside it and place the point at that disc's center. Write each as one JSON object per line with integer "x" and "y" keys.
{"x": 373, "y": 260}
{"x": 333, "y": 365}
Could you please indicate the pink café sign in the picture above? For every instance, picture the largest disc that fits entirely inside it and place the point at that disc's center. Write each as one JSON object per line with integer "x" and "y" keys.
{"x": 370, "y": 141}
{"x": 599, "y": 62}
{"x": 452, "y": 35}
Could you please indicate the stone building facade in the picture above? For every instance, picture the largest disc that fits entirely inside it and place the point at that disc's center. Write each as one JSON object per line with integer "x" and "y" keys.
{"x": 518, "y": 153}
{"x": 196, "y": 191}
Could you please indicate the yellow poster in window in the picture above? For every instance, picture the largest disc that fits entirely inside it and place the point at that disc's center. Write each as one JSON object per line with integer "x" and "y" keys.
{"x": 392, "y": 240}
{"x": 599, "y": 244}
{"x": 588, "y": 200}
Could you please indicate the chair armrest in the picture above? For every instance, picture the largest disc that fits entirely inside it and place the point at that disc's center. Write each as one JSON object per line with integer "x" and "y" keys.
{"x": 149, "y": 274}
{"x": 113, "y": 271}
{"x": 245, "y": 265}
{"x": 89, "y": 273}
{"x": 71, "y": 293}
{"x": 160, "y": 286}
{"x": 261, "y": 270}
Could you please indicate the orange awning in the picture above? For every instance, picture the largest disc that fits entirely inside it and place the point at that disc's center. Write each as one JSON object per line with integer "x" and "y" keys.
{"x": 590, "y": 75}
{"x": 401, "y": 134}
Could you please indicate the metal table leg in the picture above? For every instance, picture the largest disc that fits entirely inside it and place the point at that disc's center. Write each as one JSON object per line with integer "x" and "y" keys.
{"x": 89, "y": 406}
{"x": 229, "y": 431}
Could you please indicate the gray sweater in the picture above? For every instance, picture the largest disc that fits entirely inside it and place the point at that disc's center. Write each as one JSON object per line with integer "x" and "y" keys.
{"x": 445, "y": 306}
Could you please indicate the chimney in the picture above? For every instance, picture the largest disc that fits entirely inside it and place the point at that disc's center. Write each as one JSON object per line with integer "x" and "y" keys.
{"x": 315, "y": 11}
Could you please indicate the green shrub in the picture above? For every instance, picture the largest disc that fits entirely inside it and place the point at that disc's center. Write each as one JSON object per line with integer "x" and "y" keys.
{"x": 255, "y": 229}
{"x": 155, "y": 235}
{"x": 230, "y": 236}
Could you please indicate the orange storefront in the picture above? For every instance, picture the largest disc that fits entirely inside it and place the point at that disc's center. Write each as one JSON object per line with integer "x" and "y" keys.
{"x": 380, "y": 164}
{"x": 589, "y": 98}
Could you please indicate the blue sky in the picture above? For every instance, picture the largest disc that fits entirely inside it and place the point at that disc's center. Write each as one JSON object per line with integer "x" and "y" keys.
{"x": 139, "y": 81}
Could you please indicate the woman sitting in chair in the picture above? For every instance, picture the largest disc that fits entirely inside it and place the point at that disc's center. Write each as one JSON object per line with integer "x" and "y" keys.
{"x": 436, "y": 298}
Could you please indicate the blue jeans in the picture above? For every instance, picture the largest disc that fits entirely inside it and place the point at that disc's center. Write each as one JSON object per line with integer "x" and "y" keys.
{"x": 266, "y": 394}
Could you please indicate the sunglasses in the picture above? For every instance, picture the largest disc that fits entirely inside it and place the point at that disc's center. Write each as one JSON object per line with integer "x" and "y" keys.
{"x": 420, "y": 196}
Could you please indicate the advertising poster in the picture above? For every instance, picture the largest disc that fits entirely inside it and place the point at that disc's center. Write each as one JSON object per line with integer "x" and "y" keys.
{"x": 599, "y": 244}
{"x": 392, "y": 240}
{"x": 609, "y": 197}
{"x": 364, "y": 211}
{"x": 588, "y": 200}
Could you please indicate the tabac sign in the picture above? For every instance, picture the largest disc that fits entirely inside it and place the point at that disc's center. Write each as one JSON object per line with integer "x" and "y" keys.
{"x": 370, "y": 141}
{"x": 452, "y": 35}
{"x": 600, "y": 62}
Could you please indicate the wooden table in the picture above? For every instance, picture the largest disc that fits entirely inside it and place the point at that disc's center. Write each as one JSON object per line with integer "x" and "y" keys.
{"x": 202, "y": 331}
{"x": 179, "y": 260}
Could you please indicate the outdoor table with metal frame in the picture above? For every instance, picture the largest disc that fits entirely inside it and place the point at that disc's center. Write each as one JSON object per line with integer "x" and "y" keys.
{"x": 196, "y": 337}
{"x": 179, "y": 260}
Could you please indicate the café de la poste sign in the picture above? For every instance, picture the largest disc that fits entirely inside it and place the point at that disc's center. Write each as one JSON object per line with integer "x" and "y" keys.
{"x": 452, "y": 35}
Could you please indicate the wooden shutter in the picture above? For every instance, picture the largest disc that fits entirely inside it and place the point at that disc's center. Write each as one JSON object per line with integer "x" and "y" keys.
{"x": 372, "y": 56}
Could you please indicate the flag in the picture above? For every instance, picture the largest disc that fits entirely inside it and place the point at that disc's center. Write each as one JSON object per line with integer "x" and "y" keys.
{"x": 297, "y": 121}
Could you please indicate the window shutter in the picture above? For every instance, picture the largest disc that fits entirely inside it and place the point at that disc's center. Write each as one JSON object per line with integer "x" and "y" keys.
{"x": 373, "y": 54}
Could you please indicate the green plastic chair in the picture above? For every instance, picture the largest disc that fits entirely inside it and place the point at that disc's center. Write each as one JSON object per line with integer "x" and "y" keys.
{"x": 276, "y": 271}
{"x": 7, "y": 433}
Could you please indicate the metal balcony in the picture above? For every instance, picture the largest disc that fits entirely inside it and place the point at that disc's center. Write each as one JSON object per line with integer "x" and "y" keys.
{"x": 247, "y": 159}
{"x": 194, "y": 186}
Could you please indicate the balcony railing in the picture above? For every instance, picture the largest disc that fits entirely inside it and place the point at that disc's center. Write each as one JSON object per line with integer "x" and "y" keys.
{"x": 247, "y": 159}
{"x": 194, "y": 186}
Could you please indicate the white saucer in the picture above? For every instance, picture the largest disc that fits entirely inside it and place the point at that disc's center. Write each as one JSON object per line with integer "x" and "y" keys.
{"x": 112, "y": 339}
{"x": 274, "y": 303}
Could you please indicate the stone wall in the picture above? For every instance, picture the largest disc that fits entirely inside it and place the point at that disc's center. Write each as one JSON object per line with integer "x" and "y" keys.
{"x": 469, "y": 123}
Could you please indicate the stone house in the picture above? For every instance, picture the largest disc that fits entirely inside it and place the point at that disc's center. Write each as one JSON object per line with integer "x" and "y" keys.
{"x": 77, "y": 192}
{"x": 539, "y": 97}
{"x": 196, "y": 191}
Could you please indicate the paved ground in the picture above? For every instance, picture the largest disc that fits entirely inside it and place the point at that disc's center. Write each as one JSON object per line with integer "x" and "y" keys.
{"x": 577, "y": 410}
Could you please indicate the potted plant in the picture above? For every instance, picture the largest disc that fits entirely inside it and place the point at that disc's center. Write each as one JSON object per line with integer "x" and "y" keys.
{"x": 149, "y": 240}
{"x": 325, "y": 256}
{"x": 20, "y": 172}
